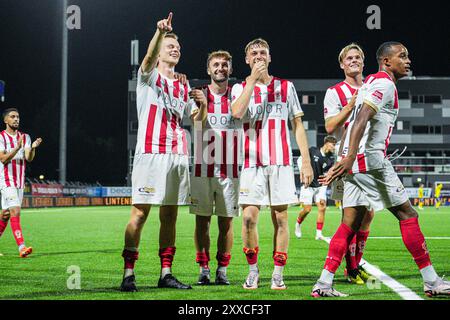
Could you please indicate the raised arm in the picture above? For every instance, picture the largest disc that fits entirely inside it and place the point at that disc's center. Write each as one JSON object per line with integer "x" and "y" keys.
{"x": 306, "y": 172}
{"x": 151, "y": 58}
{"x": 240, "y": 106}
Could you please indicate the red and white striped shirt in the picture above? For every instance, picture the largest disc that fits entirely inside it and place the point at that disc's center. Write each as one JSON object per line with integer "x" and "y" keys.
{"x": 380, "y": 93}
{"x": 161, "y": 103}
{"x": 266, "y": 139}
{"x": 13, "y": 173}
{"x": 216, "y": 142}
{"x": 336, "y": 98}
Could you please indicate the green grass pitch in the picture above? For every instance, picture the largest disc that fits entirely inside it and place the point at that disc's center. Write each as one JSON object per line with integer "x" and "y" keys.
{"x": 92, "y": 239}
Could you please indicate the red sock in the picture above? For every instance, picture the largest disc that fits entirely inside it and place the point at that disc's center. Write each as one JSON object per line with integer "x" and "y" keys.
{"x": 350, "y": 255}
{"x": 319, "y": 226}
{"x": 415, "y": 242}
{"x": 202, "y": 259}
{"x": 361, "y": 238}
{"x": 129, "y": 258}
{"x": 251, "y": 255}
{"x": 338, "y": 246}
{"x": 166, "y": 256}
{"x": 279, "y": 258}
{"x": 300, "y": 220}
{"x": 223, "y": 259}
{"x": 17, "y": 230}
{"x": 3, "y": 225}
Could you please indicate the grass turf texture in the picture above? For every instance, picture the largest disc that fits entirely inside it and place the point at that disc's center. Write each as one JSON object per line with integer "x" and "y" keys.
{"x": 92, "y": 239}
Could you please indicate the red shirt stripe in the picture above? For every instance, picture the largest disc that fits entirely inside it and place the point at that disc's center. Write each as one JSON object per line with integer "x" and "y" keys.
{"x": 284, "y": 143}
{"x": 176, "y": 89}
{"x": 361, "y": 162}
{"x": 173, "y": 127}
{"x": 246, "y": 146}
{"x": 150, "y": 126}
{"x": 258, "y": 131}
{"x": 284, "y": 90}
{"x": 223, "y": 165}
{"x": 272, "y": 146}
{"x": 163, "y": 133}
{"x": 257, "y": 94}
{"x": 271, "y": 91}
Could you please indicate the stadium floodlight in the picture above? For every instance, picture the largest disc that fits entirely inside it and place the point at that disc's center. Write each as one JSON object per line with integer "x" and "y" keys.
{"x": 134, "y": 57}
{"x": 41, "y": 177}
{"x": 135, "y": 52}
{"x": 2, "y": 90}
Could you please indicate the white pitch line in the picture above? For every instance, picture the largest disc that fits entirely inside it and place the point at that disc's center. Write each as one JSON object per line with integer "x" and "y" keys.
{"x": 426, "y": 238}
{"x": 397, "y": 287}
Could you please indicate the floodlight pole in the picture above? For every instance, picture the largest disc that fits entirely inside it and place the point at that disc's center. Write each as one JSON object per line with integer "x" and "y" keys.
{"x": 63, "y": 115}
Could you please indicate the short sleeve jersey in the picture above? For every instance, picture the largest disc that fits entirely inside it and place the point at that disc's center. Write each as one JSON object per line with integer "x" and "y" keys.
{"x": 161, "y": 103}
{"x": 266, "y": 139}
{"x": 380, "y": 93}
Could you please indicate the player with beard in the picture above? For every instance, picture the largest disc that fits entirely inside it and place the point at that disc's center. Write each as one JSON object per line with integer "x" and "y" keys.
{"x": 15, "y": 150}
{"x": 214, "y": 181}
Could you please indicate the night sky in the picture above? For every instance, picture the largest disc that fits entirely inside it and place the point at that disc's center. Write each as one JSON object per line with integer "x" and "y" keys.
{"x": 305, "y": 37}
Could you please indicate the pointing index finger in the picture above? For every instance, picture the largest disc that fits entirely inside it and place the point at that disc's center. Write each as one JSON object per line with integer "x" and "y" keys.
{"x": 169, "y": 18}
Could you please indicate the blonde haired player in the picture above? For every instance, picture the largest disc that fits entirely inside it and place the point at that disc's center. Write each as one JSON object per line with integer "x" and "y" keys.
{"x": 370, "y": 174}
{"x": 266, "y": 104}
{"x": 15, "y": 150}
{"x": 161, "y": 166}
{"x": 214, "y": 181}
{"x": 339, "y": 103}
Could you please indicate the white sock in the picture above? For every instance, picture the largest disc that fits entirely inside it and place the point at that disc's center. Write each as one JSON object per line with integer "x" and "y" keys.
{"x": 278, "y": 270}
{"x": 21, "y": 247}
{"x": 428, "y": 274}
{"x": 128, "y": 272}
{"x": 222, "y": 269}
{"x": 326, "y": 277}
{"x": 318, "y": 233}
{"x": 253, "y": 267}
{"x": 165, "y": 271}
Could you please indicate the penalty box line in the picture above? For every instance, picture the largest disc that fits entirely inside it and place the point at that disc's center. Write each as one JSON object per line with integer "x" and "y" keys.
{"x": 404, "y": 292}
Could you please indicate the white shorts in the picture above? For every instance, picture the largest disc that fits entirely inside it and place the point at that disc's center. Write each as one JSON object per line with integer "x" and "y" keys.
{"x": 381, "y": 188}
{"x": 161, "y": 179}
{"x": 267, "y": 186}
{"x": 307, "y": 194}
{"x": 11, "y": 197}
{"x": 337, "y": 189}
{"x": 214, "y": 195}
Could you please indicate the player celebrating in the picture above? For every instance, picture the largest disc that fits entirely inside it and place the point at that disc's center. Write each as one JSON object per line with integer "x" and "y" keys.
{"x": 266, "y": 104}
{"x": 322, "y": 160}
{"x": 160, "y": 169}
{"x": 214, "y": 184}
{"x": 372, "y": 175}
{"x": 437, "y": 195}
{"x": 339, "y": 103}
{"x": 15, "y": 149}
